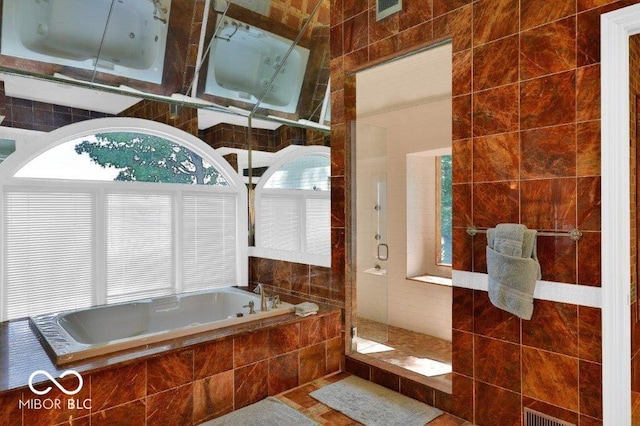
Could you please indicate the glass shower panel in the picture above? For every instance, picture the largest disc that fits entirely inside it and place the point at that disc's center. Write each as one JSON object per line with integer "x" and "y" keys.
{"x": 372, "y": 250}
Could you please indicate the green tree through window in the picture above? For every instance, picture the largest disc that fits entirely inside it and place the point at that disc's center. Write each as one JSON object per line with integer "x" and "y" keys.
{"x": 149, "y": 158}
{"x": 446, "y": 210}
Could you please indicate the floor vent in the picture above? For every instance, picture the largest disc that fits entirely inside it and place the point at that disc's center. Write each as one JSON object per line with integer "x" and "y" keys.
{"x": 535, "y": 418}
{"x": 385, "y": 8}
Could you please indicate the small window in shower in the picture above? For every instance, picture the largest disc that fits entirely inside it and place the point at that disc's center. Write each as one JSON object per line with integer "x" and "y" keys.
{"x": 7, "y": 147}
{"x": 444, "y": 205}
{"x": 385, "y": 8}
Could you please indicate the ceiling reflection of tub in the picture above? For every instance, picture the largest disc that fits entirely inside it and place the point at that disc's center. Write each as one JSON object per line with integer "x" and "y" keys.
{"x": 242, "y": 62}
{"x": 72, "y": 33}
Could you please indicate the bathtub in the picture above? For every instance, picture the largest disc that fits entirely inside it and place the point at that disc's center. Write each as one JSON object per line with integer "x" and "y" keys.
{"x": 75, "y": 335}
{"x": 242, "y": 61}
{"x": 70, "y": 33}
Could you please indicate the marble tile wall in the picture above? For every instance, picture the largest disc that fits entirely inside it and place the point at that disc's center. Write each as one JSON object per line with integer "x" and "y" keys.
{"x": 526, "y": 142}
{"x": 185, "y": 119}
{"x": 198, "y": 383}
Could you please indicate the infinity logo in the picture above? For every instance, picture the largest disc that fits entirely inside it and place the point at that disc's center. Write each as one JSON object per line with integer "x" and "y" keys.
{"x": 55, "y": 382}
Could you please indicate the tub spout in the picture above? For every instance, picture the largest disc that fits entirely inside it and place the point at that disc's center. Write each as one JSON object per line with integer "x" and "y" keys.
{"x": 263, "y": 297}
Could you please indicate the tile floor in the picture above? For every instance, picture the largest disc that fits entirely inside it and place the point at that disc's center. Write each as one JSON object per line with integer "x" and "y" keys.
{"x": 299, "y": 399}
{"x": 404, "y": 347}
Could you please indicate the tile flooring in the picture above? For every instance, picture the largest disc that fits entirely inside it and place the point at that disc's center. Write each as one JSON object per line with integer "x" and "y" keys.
{"x": 403, "y": 347}
{"x": 299, "y": 399}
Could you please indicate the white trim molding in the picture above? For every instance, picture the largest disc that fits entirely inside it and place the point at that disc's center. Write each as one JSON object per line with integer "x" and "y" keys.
{"x": 616, "y": 28}
{"x": 581, "y": 295}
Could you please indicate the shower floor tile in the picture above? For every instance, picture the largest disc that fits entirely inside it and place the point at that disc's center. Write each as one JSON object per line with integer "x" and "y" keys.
{"x": 299, "y": 399}
{"x": 421, "y": 353}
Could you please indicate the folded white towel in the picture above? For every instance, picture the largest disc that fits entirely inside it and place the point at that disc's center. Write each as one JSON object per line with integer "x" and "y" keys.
{"x": 306, "y": 308}
{"x": 513, "y": 268}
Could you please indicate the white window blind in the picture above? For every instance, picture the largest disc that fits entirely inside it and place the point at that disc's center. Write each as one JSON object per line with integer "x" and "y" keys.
{"x": 139, "y": 246}
{"x": 49, "y": 254}
{"x": 279, "y": 223}
{"x": 318, "y": 224}
{"x": 209, "y": 241}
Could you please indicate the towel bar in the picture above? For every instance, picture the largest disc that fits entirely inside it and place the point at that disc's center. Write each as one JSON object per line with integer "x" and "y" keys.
{"x": 574, "y": 234}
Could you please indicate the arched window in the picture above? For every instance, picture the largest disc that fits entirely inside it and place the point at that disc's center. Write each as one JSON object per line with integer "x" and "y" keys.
{"x": 117, "y": 209}
{"x": 293, "y": 208}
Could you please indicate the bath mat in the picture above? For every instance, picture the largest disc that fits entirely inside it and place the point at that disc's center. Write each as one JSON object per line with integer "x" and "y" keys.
{"x": 374, "y": 405}
{"x": 268, "y": 412}
{"x": 425, "y": 366}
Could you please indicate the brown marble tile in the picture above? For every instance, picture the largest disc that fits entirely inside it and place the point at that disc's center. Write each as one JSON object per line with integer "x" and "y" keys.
{"x": 312, "y": 331}
{"x": 353, "y": 7}
{"x": 588, "y": 148}
{"x": 415, "y": 390}
{"x": 589, "y": 259}
{"x": 384, "y": 47}
{"x": 589, "y": 204}
{"x": 461, "y": 78}
{"x": 462, "y": 355}
{"x": 301, "y": 395}
{"x": 590, "y": 421}
{"x": 557, "y": 257}
{"x": 251, "y": 383}
{"x": 337, "y": 104}
{"x": 174, "y": 406}
{"x": 588, "y": 38}
{"x": 550, "y": 378}
{"x": 440, "y": 7}
{"x": 320, "y": 281}
{"x": 462, "y": 205}
{"x": 250, "y": 348}
{"x": 496, "y": 406}
{"x": 548, "y": 152}
{"x": 338, "y": 197}
{"x": 335, "y": 354}
{"x": 55, "y": 415}
{"x": 213, "y": 358}
{"x": 338, "y": 139}
{"x": 213, "y": 396}
{"x": 540, "y": 198}
{"x": 548, "y": 101}
{"x": 313, "y": 363}
{"x": 282, "y": 274}
{"x": 590, "y": 333}
{"x": 548, "y": 49}
{"x": 462, "y": 405}
{"x": 494, "y": 19}
{"x": 169, "y": 371}
{"x": 588, "y": 93}
{"x": 455, "y": 24}
{"x": 496, "y": 157}
{"x": 10, "y": 410}
{"x": 495, "y": 111}
{"x": 553, "y": 327}
{"x": 117, "y": 386}
{"x": 590, "y": 4}
{"x": 384, "y": 28}
{"x": 355, "y": 32}
{"x": 495, "y": 202}
{"x": 415, "y": 13}
{"x": 461, "y": 154}
{"x": 283, "y": 373}
{"x": 335, "y": 41}
{"x": 591, "y": 389}
{"x": 461, "y": 117}
{"x": 463, "y": 250}
{"x": 300, "y": 276}
{"x": 462, "y": 309}
{"x": 132, "y": 413}
{"x": 262, "y": 270}
{"x": 284, "y": 339}
{"x": 385, "y": 378}
{"x": 414, "y": 36}
{"x": 492, "y": 322}
{"x": 333, "y": 325}
{"x": 496, "y": 63}
{"x": 497, "y": 362}
{"x": 534, "y": 13}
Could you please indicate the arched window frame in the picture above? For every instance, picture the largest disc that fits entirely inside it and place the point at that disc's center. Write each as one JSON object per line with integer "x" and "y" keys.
{"x": 301, "y": 196}
{"x": 46, "y": 141}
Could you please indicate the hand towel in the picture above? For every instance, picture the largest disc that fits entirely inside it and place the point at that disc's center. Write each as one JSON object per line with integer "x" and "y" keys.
{"x": 306, "y": 308}
{"x": 513, "y": 268}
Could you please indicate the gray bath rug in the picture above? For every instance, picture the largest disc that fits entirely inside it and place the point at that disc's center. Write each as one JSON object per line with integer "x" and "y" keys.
{"x": 374, "y": 405}
{"x": 268, "y": 412}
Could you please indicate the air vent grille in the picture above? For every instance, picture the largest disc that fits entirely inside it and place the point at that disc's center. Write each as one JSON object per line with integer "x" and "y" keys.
{"x": 385, "y": 8}
{"x": 535, "y": 418}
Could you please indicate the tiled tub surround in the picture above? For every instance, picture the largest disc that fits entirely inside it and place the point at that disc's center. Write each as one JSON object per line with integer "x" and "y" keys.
{"x": 526, "y": 142}
{"x": 184, "y": 381}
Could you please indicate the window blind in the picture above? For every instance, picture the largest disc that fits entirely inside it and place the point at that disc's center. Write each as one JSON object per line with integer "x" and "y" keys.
{"x": 279, "y": 223}
{"x": 49, "y": 251}
{"x": 209, "y": 241}
{"x": 318, "y": 224}
{"x": 139, "y": 246}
